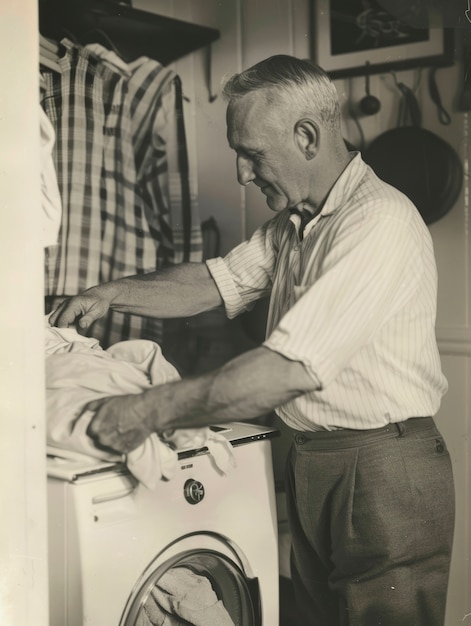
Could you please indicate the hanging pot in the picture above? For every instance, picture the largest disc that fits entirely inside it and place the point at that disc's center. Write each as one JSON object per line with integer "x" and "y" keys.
{"x": 417, "y": 162}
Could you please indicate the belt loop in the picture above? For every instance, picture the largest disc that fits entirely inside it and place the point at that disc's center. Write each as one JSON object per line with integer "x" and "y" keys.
{"x": 400, "y": 428}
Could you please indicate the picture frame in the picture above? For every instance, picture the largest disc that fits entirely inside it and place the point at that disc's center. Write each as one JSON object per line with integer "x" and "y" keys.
{"x": 358, "y": 37}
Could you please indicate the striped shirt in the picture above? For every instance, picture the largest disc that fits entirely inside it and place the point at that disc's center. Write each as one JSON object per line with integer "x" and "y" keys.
{"x": 354, "y": 301}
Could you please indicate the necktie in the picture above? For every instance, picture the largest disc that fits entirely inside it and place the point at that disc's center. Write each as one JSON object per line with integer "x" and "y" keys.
{"x": 305, "y": 215}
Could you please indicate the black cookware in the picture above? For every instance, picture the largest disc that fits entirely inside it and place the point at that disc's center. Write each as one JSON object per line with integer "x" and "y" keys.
{"x": 418, "y": 162}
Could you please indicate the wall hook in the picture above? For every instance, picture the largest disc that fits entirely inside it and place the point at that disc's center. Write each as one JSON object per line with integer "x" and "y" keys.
{"x": 369, "y": 105}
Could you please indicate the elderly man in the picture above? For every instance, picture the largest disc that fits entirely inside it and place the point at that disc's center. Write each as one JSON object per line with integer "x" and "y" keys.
{"x": 350, "y": 360}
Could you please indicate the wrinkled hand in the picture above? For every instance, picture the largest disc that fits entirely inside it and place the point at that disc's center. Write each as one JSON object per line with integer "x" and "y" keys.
{"x": 84, "y": 308}
{"x": 118, "y": 423}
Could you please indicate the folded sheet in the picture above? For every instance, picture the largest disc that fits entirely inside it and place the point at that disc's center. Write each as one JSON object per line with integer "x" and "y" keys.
{"x": 78, "y": 371}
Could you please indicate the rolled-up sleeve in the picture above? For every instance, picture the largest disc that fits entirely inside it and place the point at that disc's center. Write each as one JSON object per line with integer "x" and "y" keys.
{"x": 246, "y": 273}
{"x": 233, "y": 303}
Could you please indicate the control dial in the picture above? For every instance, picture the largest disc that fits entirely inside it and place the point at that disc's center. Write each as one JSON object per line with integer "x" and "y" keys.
{"x": 193, "y": 491}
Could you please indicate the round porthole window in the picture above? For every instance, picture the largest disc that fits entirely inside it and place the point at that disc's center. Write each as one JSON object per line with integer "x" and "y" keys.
{"x": 197, "y": 587}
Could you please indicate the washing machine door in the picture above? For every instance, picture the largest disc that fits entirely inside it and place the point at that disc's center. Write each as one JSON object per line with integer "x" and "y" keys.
{"x": 235, "y": 598}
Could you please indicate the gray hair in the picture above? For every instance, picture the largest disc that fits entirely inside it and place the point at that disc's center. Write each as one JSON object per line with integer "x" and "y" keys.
{"x": 292, "y": 81}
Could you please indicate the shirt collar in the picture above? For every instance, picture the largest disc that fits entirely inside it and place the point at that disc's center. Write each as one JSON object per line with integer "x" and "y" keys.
{"x": 345, "y": 185}
{"x": 341, "y": 191}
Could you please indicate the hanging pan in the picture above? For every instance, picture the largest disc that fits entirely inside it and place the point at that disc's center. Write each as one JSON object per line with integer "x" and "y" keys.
{"x": 417, "y": 162}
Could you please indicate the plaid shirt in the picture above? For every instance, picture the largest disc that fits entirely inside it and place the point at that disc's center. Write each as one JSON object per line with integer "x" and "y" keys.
{"x": 122, "y": 170}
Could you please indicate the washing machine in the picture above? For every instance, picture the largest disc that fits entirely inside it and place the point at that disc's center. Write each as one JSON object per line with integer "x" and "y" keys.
{"x": 111, "y": 540}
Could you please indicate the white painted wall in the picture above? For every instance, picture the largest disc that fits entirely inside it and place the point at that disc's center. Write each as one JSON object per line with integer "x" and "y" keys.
{"x": 23, "y": 567}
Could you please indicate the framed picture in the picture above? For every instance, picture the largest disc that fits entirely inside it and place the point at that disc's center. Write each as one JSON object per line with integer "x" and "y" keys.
{"x": 359, "y": 37}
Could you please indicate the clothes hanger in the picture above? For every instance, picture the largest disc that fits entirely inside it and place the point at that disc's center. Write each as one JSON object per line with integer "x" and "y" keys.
{"x": 102, "y": 39}
{"x": 51, "y": 65}
{"x": 100, "y": 34}
{"x": 49, "y": 53}
{"x": 48, "y": 44}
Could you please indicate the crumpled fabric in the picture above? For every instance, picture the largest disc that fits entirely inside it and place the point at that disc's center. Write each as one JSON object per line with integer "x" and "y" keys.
{"x": 79, "y": 370}
{"x": 182, "y": 597}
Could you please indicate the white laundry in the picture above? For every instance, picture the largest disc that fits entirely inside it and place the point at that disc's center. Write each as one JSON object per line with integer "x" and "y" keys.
{"x": 78, "y": 371}
{"x": 189, "y": 596}
{"x": 51, "y": 203}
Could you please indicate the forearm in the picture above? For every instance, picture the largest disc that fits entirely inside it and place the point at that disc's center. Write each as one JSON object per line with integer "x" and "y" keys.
{"x": 250, "y": 385}
{"x": 178, "y": 291}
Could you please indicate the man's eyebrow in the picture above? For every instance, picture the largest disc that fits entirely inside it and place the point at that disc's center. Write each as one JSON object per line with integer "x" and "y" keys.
{"x": 245, "y": 150}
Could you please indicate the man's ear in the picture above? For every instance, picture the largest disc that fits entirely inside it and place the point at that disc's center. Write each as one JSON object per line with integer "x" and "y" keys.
{"x": 307, "y": 137}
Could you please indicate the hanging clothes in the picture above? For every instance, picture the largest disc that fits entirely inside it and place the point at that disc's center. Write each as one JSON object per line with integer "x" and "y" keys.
{"x": 51, "y": 207}
{"x": 123, "y": 174}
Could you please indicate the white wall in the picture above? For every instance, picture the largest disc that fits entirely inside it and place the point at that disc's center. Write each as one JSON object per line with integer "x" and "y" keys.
{"x": 251, "y": 31}
{"x": 23, "y": 567}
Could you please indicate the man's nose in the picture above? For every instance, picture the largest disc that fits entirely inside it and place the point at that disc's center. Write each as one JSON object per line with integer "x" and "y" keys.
{"x": 245, "y": 172}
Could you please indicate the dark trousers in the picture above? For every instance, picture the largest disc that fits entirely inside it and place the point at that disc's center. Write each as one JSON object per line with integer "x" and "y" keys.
{"x": 371, "y": 516}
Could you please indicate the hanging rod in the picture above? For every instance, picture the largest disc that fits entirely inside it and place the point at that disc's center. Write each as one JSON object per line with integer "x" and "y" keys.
{"x": 134, "y": 33}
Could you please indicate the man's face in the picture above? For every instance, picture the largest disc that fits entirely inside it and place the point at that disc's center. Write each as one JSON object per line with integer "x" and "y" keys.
{"x": 266, "y": 152}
